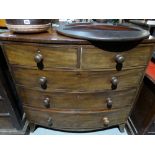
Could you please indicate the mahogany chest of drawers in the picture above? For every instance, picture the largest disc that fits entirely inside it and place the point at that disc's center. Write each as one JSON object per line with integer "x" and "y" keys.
{"x": 74, "y": 85}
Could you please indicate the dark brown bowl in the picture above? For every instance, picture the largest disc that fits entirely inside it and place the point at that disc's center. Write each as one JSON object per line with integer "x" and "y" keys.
{"x": 103, "y": 32}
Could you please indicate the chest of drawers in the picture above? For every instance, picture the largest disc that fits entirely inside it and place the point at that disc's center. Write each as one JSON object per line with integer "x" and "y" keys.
{"x": 74, "y": 85}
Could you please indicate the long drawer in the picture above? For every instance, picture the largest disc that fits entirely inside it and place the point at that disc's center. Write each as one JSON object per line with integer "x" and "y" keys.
{"x": 76, "y": 121}
{"x": 88, "y": 101}
{"x": 76, "y": 80}
{"x": 61, "y": 56}
{"x": 96, "y": 58}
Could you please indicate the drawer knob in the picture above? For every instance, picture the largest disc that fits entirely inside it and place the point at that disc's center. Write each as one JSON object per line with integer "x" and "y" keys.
{"x": 49, "y": 121}
{"x": 38, "y": 58}
{"x": 109, "y": 102}
{"x": 46, "y": 102}
{"x": 119, "y": 59}
{"x": 43, "y": 82}
{"x": 114, "y": 82}
{"x": 106, "y": 121}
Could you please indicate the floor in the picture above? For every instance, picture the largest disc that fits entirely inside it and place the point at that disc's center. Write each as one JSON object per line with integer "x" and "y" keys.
{"x": 44, "y": 131}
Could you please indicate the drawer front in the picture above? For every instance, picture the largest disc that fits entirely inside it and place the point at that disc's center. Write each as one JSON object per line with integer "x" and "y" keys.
{"x": 87, "y": 101}
{"x": 3, "y": 107}
{"x": 59, "y": 57}
{"x": 5, "y": 123}
{"x": 98, "y": 58}
{"x": 76, "y": 121}
{"x": 76, "y": 81}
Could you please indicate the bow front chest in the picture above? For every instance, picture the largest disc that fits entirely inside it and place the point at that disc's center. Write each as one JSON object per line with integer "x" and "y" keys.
{"x": 75, "y": 85}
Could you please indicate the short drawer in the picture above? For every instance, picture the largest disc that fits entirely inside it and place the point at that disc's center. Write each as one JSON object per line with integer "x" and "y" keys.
{"x": 5, "y": 123}
{"x": 76, "y": 80}
{"x": 76, "y": 121}
{"x": 96, "y": 58}
{"x": 52, "y": 57}
{"x": 87, "y": 101}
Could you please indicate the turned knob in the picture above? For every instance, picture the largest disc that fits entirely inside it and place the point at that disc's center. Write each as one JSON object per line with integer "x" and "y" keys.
{"x": 38, "y": 58}
{"x": 119, "y": 59}
{"x": 46, "y": 102}
{"x": 106, "y": 121}
{"x": 43, "y": 82}
{"x": 114, "y": 81}
{"x": 109, "y": 102}
{"x": 49, "y": 121}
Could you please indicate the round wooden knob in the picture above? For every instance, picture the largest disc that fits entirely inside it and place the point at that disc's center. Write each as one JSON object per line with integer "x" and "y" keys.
{"x": 43, "y": 82}
{"x": 49, "y": 121}
{"x": 109, "y": 102}
{"x": 106, "y": 121}
{"x": 38, "y": 58}
{"x": 114, "y": 81}
{"x": 46, "y": 102}
{"x": 119, "y": 59}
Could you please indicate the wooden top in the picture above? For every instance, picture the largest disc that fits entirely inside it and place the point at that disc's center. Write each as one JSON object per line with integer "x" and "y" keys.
{"x": 49, "y": 37}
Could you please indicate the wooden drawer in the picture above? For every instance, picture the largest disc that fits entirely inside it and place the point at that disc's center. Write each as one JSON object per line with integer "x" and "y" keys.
{"x": 3, "y": 107}
{"x": 55, "y": 56}
{"x": 74, "y": 120}
{"x": 5, "y": 122}
{"x": 87, "y": 101}
{"x": 77, "y": 81}
{"x": 97, "y": 58}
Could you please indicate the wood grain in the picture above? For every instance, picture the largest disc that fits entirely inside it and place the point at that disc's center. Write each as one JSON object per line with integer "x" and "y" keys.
{"x": 77, "y": 80}
{"x": 77, "y": 101}
{"x": 97, "y": 58}
{"x": 72, "y": 121}
{"x": 53, "y": 56}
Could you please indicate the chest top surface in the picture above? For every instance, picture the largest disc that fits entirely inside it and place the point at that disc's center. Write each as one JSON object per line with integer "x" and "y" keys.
{"x": 50, "y": 36}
